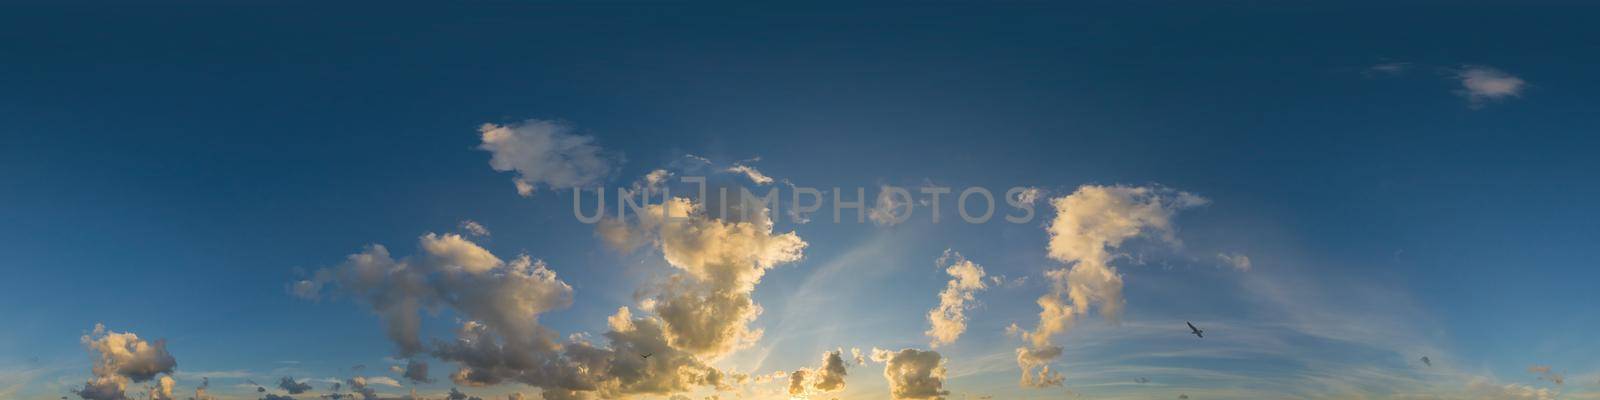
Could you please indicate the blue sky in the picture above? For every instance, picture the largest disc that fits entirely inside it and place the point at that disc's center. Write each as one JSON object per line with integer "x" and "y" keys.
{"x": 1407, "y": 181}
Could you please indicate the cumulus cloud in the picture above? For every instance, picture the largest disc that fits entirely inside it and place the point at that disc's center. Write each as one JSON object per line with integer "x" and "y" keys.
{"x": 707, "y": 305}
{"x": 701, "y": 313}
{"x": 827, "y": 378}
{"x": 454, "y": 272}
{"x": 1481, "y": 85}
{"x": 1090, "y": 224}
{"x": 949, "y": 320}
{"x": 359, "y": 386}
{"x": 912, "y": 373}
{"x": 121, "y": 358}
{"x": 474, "y": 228}
{"x": 545, "y": 153}
{"x": 416, "y": 371}
{"x": 1239, "y": 262}
{"x": 292, "y": 386}
{"x": 162, "y": 389}
{"x": 1035, "y": 364}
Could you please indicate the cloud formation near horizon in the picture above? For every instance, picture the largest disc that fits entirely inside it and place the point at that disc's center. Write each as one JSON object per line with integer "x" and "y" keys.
{"x": 912, "y": 373}
{"x": 827, "y": 378}
{"x": 700, "y": 313}
{"x": 122, "y": 357}
{"x": 1090, "y": 224}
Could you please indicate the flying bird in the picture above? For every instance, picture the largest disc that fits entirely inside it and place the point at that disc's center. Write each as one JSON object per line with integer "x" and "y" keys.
{"x": 646, "y": 355}
{"x": 1194, "y": 330}
{"x": 1425, "y": 360}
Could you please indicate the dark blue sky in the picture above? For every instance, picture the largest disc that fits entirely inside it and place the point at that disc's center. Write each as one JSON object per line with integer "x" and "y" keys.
{"x": 165, "y": 169}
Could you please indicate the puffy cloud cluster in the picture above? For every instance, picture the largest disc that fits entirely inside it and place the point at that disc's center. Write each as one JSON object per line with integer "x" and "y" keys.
{"x": 292, "y": 386}
{"x": 912, "y": 373}
{"x": 452, "y": 272}
{"x": 121, "y": 358}
{"x": 1090, "y": 224}
{"x": 699, "y": 314}
{"x": 1035, "y": 364}
{"x": 825, "y": 379}
{"x": 949, "y": 320}
{"x": 416, "y": 371}
{"x": 707, "y": 306}
{"x": 162, "y": 389}
{"x": 360, "y": 386}
{"x": 545, "y": 153}
{"x": 1481, "y": 85}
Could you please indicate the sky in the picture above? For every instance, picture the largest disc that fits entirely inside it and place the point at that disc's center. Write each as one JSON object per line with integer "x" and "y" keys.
{"x": 1351, "y": 201}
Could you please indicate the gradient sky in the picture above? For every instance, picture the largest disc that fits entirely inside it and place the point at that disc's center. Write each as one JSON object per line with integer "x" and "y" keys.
{"x": 1406, "y": 181}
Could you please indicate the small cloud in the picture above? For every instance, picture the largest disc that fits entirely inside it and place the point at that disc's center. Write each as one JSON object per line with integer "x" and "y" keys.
{"x": 546, "y": 153}
{"x": 892, "y": 207}
{"x": 474, "y": 228}
{"x": 1546, "y": 374}
{"x": 416, "y": 371}
{"x": 752, "y": 173}
{"x": 292, "y": 386}
{"x": 1239, "y": 262}
{"x": 1481, "y": 85}
{"x": 1388, "y": 68}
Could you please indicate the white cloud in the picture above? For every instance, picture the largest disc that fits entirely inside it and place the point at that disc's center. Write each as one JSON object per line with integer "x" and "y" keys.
{"x": 1029, "y": 196}
{"x": 122, "y": 357}
{"x": 508, "y": 296}
{"x": 474, "y": 228}
{"x": 949, "y": 320}
{"x": 752, "y": 173}
{"x": 828, "y": 378}
{"x": 707, "y": 307}
{"x": 701, "y": 313}
{"x": 1090, "y": 224}
{"x": 162, "y": 389}
{"x": 545, "y": 153}
{"x": 892, "y": 207}
{"x": 1239, "y": 262}
{"x": 912, "y": 373}
{"x": 1481, "y": 85}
